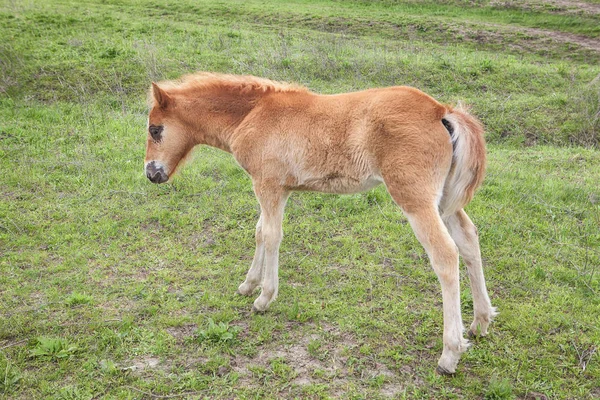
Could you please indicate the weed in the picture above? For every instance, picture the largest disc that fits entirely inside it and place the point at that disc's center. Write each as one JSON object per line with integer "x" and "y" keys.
{"x": 108, "y": 367}
{"x": 215, "y": 365}
{"x": 499, "y": 390}
{"x": 280, "y": 368}
{"x": 487, "y": 65}
{"x": 377, "y": 381}
{"x": 293, "y": 313}
{"x": 9, "y": 376}
{"x": 52, "y": 349}
{"x": 73, "y": 393}
{"x": 315, "y": 349}
{"x": 217, "y": 333}
{"x": 76, "y": 299}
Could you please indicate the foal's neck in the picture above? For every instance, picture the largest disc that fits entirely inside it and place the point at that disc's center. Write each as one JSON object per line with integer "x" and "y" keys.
{"x": 217, "y": 112}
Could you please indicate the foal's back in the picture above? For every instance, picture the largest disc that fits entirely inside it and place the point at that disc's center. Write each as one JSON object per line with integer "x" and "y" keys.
{"x": 338, "y": 143}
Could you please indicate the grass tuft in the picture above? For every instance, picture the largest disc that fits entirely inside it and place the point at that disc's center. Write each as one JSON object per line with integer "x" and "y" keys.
{"x": 76, "y": 299}
{"x": 220, "y": 333}
{"x": 499, "y": 390}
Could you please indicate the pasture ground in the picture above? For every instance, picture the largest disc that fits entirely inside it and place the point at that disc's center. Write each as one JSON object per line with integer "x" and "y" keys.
{"x": 111, "y": 287}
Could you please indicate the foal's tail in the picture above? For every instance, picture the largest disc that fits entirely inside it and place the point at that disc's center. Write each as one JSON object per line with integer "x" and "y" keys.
{"x": 468, "y": 160}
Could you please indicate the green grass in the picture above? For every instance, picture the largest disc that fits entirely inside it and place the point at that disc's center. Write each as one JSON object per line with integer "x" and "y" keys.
{"x": 111, "y": 287}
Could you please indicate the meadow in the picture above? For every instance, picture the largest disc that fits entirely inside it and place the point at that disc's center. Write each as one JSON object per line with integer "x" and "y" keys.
{"x": 112, "y": 287}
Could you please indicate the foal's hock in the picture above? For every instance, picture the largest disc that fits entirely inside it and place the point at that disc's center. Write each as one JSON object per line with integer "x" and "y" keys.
{"x": 430, "y": 156}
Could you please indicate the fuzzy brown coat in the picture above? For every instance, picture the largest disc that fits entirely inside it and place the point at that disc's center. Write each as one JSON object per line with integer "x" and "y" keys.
{"x": 430, "y": 156}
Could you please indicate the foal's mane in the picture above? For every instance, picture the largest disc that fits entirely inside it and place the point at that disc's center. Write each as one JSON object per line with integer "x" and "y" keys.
{"x": 188, "y": 84}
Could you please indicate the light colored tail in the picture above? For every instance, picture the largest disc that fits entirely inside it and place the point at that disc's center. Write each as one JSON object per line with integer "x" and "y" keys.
{"x": 468, "y": 161}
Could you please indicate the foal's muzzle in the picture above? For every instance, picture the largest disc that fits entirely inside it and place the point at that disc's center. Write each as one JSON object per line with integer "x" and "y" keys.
{"x": 156, "y": 173}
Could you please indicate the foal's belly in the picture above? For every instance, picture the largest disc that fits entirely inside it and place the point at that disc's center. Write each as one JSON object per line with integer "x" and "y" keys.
{"x": 341, "y": 184}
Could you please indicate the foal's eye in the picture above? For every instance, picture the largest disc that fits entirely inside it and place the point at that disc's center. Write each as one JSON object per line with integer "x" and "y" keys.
{"x": 155, "y": 132}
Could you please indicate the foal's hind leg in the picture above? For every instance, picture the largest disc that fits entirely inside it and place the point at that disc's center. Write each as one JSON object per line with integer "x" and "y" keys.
{"x": 431, "y": 232}
{"x": 465, "y": 236}
{"x": 418, "y": 201}
{"x": 255, "y": 273}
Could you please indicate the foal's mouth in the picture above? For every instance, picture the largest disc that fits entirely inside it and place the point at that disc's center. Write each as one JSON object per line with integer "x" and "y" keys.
{"x": 155, "y": 172}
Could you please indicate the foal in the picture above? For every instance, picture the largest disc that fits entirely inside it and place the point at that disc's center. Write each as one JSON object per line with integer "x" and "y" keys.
{"x": 430, "y": 156}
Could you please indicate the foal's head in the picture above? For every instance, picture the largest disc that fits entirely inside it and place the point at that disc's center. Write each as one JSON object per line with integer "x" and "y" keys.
{"x": 168, "y": 139}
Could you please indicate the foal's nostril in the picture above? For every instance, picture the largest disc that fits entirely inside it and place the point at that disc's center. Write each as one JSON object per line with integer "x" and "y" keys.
{"x": 157, "y": 177}
{"x": 156, "y": 174}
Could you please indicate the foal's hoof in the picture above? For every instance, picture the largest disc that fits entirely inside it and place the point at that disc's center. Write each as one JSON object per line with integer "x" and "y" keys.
{"x": 471, "y": 334}
{"x": 443, "y": 371}
{"x": 257, "y": 311}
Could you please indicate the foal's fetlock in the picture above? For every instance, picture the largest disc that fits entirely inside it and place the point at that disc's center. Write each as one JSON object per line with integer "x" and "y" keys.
{"x": 478, "y": 329}
{"x": 450, "y": 357}
{"x": 480, "y": 325}
{"x": 260, "y": 305}
{"x": 263, "y": 301}
{"x": 246, "y": 289}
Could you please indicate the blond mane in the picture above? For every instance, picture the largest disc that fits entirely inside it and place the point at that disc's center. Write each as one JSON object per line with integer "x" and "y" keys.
{"x": 210, "y": 80}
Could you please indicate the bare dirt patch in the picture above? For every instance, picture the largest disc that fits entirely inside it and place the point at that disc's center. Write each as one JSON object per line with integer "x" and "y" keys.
{"x": 564, "y": 37}
{"x": 143, "y": 363}
{"x": 113, "y": 310}
{"x": 180, "y": 333}
{"x": 577, "y": 6}
{"x": 537, "y": 38}
{"x": 335, "y": 360}
{"x": 554, "y": 6}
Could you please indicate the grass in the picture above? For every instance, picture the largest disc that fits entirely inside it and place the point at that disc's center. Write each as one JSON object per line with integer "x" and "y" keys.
{"x": 111, "y": 287}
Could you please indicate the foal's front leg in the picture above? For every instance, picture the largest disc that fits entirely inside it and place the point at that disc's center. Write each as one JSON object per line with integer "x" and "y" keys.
{"x": 255, "y": 273}
{"x": 272, "y": 201}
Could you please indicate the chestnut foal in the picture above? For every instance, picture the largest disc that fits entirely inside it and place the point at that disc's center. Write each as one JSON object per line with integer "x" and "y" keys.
{"x": 430, "y": 156}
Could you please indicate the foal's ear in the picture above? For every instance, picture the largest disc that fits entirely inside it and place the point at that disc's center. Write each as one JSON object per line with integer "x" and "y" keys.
{"x": 161, "y": 97}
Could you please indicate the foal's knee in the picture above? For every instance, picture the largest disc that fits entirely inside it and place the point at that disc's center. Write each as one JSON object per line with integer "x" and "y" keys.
{"x": 271, "y": 237}
{"x": 258, "y": 235}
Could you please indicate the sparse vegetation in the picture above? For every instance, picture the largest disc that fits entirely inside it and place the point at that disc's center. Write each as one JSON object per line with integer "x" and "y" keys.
{"x": 111, "y": 287}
